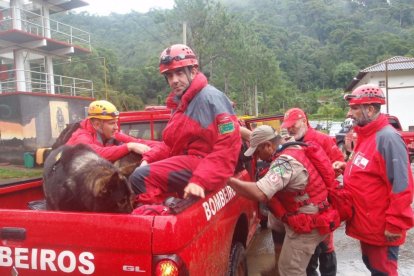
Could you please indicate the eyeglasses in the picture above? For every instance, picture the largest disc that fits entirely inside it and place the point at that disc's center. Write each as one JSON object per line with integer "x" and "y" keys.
{"x": 168, "y": 59}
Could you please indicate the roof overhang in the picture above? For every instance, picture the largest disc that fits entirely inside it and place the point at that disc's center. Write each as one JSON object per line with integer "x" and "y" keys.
{"x": 355, "y": 81}
{"x": 397, "y": 63}
{"x": 47, "y": 45}
{"x": 56, "y": 6}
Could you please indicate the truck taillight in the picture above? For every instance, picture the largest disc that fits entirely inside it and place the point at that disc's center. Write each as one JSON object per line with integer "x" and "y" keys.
{"x": 169, "y": 265}
{"x": 166, "y": 268}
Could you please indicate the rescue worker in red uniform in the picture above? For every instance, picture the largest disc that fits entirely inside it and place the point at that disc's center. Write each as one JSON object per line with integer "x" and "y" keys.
{"x": 297, "y": 184}
{"x": 201, "y": 142}
{"x": 296, "y": 122}
{"x": 380, "y": 179}
{"x": 100, "y": 131}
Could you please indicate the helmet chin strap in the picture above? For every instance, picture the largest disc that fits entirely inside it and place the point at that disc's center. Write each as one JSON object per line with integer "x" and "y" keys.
{"x": 188, "y": 75}
{"x": 366, "y": 119}
{"x": 365, "y": 113}
{"x": 99, "y": 132}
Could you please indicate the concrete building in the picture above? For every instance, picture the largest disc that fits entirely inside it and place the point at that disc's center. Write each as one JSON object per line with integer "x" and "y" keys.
{"x": 35, "y": 103}
{"x": 396, "y": 77}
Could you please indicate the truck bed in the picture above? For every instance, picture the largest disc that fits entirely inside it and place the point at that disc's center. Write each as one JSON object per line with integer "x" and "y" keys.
{"x": 41, "y": 242}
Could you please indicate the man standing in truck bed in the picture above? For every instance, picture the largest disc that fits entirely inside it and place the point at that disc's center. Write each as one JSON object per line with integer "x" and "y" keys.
{"x": 201, "y": 142}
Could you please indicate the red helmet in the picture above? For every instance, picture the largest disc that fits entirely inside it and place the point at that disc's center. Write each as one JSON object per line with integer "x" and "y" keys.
{"x": 365, "y": 94}
{"x": 177, "y": 56}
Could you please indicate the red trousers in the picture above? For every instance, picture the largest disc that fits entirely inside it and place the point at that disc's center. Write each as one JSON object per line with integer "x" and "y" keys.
{"x": 154, "y": 182}
{"x": 380, "y": 260}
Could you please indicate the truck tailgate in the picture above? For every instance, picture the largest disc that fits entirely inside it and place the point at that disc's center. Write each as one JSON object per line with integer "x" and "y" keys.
{"x": 56, "y": 243}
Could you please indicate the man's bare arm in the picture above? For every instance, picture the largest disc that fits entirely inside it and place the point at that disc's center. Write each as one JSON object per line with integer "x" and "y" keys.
{"x": 247, "y": 189}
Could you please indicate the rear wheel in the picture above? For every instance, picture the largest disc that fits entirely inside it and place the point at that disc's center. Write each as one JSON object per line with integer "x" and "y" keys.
{"x": 238, "y": 261}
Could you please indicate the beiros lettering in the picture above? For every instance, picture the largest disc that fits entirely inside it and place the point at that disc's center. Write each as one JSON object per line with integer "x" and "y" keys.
{"x": 47, "y": 260}
{"x": 218, "y": 201}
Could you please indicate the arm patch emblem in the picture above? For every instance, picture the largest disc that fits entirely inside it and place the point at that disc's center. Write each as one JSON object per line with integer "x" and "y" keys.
{"x": 280, "y": 170}
{"x": 225, "y": 128}
{"x": 281, "y": 167}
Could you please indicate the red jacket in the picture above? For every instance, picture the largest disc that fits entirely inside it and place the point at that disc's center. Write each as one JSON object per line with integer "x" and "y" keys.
{"x": 380, "y": 179}
{"x": 204, "y": 124}
{"x": 326, "y": 142}
{"x": 111, "y": 150}
{"x": 315, "y": 189}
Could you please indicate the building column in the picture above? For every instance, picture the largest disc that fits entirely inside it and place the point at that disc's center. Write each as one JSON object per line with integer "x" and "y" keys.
{"x": 16, "y": 5}
{"x": 19, "y": 68}
{"x": 50, "y": 74}
{"x": 46, "y": 22}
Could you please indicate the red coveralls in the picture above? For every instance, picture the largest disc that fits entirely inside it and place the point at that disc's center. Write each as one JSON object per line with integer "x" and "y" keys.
{"x": 112, "y": 150}
{"x": 201, "y": 144}
{"x": 380, "y": 179}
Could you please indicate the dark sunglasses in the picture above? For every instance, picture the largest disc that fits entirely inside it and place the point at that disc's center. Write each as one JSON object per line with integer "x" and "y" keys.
{"x": 168, "y": 59}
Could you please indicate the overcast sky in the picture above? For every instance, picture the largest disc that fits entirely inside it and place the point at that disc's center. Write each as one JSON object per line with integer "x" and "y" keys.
{"x": 105, "y": 7}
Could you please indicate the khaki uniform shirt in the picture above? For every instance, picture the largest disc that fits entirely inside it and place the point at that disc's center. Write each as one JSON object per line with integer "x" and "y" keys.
{"x": 286, "y": 173}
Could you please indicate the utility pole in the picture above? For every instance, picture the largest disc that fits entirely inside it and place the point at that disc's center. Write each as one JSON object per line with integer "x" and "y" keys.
{"x": 185, "y": 33}
{"x": 256, "y": 101}
{"x": 105, "y": 79}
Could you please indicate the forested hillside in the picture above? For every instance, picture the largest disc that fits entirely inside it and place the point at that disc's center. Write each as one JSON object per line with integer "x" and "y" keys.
{"x": 287, "y": 52}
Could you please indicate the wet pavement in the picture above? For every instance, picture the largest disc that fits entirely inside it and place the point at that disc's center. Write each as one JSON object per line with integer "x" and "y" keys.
{"x": 260, "y": 256}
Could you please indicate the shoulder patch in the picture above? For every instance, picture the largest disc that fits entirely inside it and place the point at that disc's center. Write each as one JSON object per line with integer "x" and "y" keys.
{"x": 280, "y": 167}
{"x": 226, "y": 125}
{"x": 280, "y": 170}
{"x": 226, "y": 128}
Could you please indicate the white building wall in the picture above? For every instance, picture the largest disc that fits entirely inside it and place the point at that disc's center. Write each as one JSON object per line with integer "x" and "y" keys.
{"x": 400, "y": 100}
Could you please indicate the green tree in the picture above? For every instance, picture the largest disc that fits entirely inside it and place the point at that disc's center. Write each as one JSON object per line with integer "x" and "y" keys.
{"x": 343, "y": 73}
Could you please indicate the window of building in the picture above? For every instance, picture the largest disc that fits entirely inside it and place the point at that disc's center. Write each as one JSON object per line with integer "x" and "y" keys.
{"x": 381, "y": 83}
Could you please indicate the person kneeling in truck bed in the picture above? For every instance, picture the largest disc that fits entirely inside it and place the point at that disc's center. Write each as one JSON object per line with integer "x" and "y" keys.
{"x": 100, "y": 132}
{"x": 201, "y": 142}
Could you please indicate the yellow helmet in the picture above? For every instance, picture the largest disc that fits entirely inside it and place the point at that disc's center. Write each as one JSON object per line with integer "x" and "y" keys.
{"x": 103, "y": 110}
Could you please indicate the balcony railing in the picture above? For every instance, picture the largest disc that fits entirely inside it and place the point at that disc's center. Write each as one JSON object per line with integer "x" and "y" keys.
{"x": 41, "y": 82}
{"x": 30, "y": 22}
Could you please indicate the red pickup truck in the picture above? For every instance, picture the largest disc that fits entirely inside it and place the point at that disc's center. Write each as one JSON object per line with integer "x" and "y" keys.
{"x": 350, "y": 139}
{"x": 198, "y": 237}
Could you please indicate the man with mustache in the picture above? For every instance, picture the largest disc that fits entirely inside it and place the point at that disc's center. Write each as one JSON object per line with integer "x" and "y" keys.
{"x": 201, "y": 142}
{"x": 379, "y": 177}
